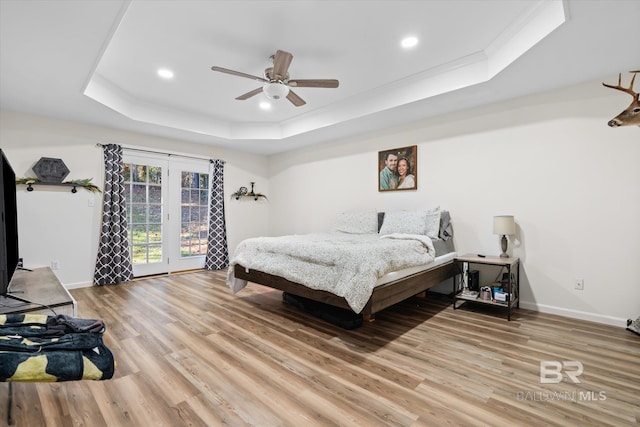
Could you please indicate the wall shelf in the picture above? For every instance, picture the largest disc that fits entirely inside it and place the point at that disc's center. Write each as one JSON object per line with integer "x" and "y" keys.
{"x": 243, "y": 193}
{"x": 74, "y": 184}
{"x": 250, "y": 196}
{"x": 74, "y": 188}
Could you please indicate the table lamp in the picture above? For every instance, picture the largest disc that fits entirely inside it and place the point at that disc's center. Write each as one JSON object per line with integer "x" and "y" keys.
{"x": 504, "y": 225}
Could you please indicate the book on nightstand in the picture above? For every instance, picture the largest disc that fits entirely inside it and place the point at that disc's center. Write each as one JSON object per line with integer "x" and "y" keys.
{"x": 467, "y": 294}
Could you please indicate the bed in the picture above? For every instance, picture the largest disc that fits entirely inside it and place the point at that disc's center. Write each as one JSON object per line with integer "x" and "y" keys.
{"x": 375, "y": 279}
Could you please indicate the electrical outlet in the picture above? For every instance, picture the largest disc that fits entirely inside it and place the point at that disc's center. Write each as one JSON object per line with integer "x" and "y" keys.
{"x": 579, "y": 285}
{"x": 55, "y": 264}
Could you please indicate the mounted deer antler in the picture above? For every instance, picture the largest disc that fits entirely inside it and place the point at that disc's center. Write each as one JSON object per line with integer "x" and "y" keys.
{"x": 631, "y": 115}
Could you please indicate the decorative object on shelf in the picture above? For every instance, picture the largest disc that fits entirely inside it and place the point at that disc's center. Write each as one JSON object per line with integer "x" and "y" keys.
{"x": 85, "y": 183}
{"x": 50, "y": 170}
{"x": 243, "y": 192}
{"x": 485, "y": 293}
{"x": 504, "y": 225}
{"x": 74, "y": 184}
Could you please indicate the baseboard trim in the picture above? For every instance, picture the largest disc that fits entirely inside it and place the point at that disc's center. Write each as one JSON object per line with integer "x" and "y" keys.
{"x": 575, "y": 314}
{"x": 78, "y": 285}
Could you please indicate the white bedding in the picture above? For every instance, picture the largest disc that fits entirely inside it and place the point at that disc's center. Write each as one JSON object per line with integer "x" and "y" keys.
{"x": 347, "y": 265}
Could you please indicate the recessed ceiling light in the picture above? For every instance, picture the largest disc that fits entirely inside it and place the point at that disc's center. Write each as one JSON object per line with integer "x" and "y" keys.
{"x": 265, "y": 105}
{"x": 409, "y": 42}
{"x": 165, "y": 73}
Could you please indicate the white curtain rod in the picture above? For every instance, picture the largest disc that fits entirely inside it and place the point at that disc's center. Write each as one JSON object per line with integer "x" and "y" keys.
{"x": 160, "y": 152}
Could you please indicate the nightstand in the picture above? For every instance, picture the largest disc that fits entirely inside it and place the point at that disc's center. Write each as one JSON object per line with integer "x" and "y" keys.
{"x": 512, "y": 286}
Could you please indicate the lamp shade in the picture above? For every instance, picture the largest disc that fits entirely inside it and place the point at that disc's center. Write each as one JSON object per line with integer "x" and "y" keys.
{"x": 275, "y": 90}
{"x": 504, "y": 225}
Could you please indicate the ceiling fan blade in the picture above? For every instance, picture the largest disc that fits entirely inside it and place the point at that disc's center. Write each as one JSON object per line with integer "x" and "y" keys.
{"x": 238, "y": 73}
{"x": 295, "y": 99}
{"x": 249, "y": 94}
{"x": 281, "y": 62}
{"x": 326, "y": 83}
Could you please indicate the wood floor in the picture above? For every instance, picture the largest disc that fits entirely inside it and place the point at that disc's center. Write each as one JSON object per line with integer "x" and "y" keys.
{"x": 191, "y": 354}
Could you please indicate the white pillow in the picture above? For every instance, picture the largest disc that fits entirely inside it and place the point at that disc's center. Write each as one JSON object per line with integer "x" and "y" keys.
{"x": 432, "y": 223}
{"x": 405, "y": 222}
{"x": 363, "y": 222}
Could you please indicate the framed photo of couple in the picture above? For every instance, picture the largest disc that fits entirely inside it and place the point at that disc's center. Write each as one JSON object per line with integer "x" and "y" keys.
{"x": 398, "y": 169}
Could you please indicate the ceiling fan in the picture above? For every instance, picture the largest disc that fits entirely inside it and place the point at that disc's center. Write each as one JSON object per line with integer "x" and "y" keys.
{"x": 276, "y": 80}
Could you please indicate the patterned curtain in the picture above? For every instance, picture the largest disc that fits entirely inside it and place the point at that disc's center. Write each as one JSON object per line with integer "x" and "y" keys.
{"x": 217, "y": 251}
{"x": 113, "y": 264}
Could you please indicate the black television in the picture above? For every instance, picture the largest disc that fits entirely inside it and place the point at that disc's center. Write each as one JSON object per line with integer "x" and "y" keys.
{"x": 8, "y": 224}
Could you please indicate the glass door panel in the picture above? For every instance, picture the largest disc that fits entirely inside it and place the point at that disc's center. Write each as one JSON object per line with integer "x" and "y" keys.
{"x": 145, "y": 193}
{"x": 192, "y": 178}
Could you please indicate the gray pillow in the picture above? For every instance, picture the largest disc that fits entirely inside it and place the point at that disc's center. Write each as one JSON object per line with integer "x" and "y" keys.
{"x": 446, "y": 231}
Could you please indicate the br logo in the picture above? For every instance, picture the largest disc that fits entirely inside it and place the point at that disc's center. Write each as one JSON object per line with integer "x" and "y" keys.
{"x": 551, "y": 371}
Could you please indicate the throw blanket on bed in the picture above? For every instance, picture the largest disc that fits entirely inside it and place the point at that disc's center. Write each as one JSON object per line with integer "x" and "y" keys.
{"x": 347, "y": 265}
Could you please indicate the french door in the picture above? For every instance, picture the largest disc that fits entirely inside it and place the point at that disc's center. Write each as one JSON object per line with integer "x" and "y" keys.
{"x": 167, "y": 213}
{"x": 188, "y": 213}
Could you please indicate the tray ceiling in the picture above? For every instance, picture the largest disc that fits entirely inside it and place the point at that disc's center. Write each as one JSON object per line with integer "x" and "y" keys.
{"x": 97, "y": 62}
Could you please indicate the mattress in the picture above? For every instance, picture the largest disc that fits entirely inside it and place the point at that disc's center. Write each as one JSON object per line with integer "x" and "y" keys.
{"x": 439, "y": 260}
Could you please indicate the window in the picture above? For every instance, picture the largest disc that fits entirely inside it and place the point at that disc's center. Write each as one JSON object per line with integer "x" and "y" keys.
{"x": 143, "y": 192}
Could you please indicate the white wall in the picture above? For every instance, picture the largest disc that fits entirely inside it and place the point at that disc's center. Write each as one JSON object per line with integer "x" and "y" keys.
{"x": 550, "y": 160}
{"x": 55, "y": 224}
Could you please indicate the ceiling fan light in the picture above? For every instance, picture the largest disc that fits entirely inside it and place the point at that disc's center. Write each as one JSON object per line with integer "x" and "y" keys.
{"x": 275, "y": 90}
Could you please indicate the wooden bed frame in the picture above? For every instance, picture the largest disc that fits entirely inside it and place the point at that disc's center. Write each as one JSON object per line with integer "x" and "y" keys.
{"x": 383, "y": 296}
